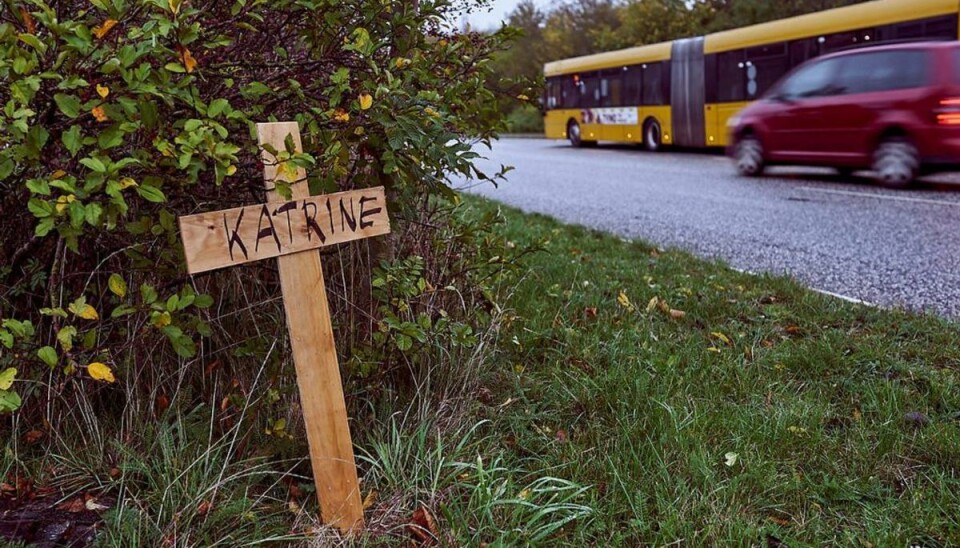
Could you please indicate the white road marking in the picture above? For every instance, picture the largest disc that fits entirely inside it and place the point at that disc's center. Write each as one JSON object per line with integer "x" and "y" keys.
{"x": 880, "y": 196}
{"x": 845, "y": 298}
{"x": 853, "y": 300}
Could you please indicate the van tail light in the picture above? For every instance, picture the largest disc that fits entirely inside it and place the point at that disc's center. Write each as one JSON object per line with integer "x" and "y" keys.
{"x": 948, "y": 113}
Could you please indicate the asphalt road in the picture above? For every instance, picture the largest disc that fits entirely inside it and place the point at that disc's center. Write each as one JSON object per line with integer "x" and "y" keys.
{"x": 840, "y": 235}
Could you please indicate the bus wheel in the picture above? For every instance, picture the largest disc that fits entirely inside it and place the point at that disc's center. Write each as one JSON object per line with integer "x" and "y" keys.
{"x": 748, "y": 155}
{"x": 573, "y": 133}
{"x": 896, "y": 163}
{"x": 652, "y": 136}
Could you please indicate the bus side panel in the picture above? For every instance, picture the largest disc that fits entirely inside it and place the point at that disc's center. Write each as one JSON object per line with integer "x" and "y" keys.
{"x": 724, "y": 112}
{"x": 555, "y": 122}
{"x": 715, "y": 131}
{"x": 662, "y": 114}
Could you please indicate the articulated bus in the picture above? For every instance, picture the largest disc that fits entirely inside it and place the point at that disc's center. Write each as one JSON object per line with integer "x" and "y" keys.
{"x": 683, "y": 92}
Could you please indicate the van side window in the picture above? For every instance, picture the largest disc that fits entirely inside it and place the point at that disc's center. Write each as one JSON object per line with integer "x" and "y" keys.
{"x": 883, "y": 71}
{"x": 814, "y": 80}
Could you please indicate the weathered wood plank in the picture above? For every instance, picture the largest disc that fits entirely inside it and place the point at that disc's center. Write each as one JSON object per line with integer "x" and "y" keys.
{"x": 230, "y": 237}
{"x": 315, "y": 356}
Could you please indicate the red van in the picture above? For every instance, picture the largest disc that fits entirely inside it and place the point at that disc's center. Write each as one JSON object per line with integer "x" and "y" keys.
{"x": 892, "y": 109}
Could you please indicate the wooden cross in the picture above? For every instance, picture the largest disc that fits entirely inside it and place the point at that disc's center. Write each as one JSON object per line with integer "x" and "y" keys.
{"x": 292, "y": 231}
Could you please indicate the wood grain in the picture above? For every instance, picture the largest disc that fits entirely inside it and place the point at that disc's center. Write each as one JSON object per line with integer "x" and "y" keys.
{"x": 231, "y": 237}
{"x": 315, "y": 356}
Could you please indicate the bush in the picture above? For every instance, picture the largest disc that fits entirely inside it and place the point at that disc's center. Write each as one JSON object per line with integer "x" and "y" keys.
{"x": 525, "y": 119}
{"x": 119, "y": 116}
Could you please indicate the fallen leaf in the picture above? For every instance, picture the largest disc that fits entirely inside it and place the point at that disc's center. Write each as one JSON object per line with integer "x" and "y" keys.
{"x": 33, "y": 436}
{"x": 730, "y": 459}
{"x": 590, "y": 312}
{"x": 174, "y": 6}
{"x": 95, "y": 506}
{"x": 720, "y": 337}
{"x": 101, "y": 372}
{"x": 73, "y": 505}
{"x": 561, "y": 436}
{"x": 203, "y": 507}
{"x": 653, "y": 304}
{"x": 423, "y": 526}
{"x": 366, "y": 101}
{"x": 779, "y": 521}
{"x": 28, "y": 20}
{"x": 161, "y": 404}
{"x": 102, "y": 30}
{"x": 103, "y": 91}
{"x": 99, "y": 114}
{"x": 341, "y": 115}
{"x": 189, "y": 62}
{"x": 677, "y": 314}
{"x": 58, "y": 174}
{"x": 370, "y": 499}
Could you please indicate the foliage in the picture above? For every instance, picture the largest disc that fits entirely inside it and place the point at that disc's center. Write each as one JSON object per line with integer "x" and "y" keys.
{"x": 525, "y": 119}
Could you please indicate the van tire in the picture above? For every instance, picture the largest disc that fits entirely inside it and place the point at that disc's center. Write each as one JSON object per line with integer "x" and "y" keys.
{"x": 652, "y": 135}
{"x": 896, "y": 162}
{"x": 748, "y": 156}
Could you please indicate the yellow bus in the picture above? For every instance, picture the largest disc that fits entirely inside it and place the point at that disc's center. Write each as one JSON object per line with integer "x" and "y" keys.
{"x": 683, "y": 92}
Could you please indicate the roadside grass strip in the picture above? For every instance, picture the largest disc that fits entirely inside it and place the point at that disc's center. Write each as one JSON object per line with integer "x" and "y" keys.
{"x": 704, "y": 406}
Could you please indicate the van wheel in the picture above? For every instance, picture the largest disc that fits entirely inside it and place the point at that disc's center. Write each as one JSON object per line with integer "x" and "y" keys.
{"x": 652, "y": 136}
{"x": 896, "y": 163}
{"x": 748, "y": 156}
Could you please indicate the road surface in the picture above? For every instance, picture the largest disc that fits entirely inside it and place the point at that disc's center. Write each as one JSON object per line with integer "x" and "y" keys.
{"x": 840, "y": 235}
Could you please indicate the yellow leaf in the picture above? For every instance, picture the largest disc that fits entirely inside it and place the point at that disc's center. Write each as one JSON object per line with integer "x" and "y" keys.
{"x": 623, "y": 300}
{"x": 341, "y": 115}
{"x": 188, "y": 61}
{"x": 287, "y": 171}
{"x": 6, "y": 378}
{"x": 366, "y": 101}
{"x": 85, "y": 311}
{"x": 99, "y": 114}
{"x": 523, "y": 97}
{"x": 58, "y": 174}
{"x": 430, "y": 111}
{"x": 653, "y": 304}
{"x": 720, "y": 337}
{"x": 103, "y": 91}
{"x": 370, "y": 499}
{"x": 117, "y": 285}
{"x": 64, "y": 201}
{"x": 401, "y": 62}
{"x": 103, "y": 29}
{"x": 161, "y": 320}
{"x": 126, "y": 183}
{"x": 174, "y": 6}
{"x": 231, "y": 169}
{"x": 101, "y": 372}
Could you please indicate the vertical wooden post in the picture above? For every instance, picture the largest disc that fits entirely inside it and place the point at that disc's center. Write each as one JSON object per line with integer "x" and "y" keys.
{"x": 315, "y": 357}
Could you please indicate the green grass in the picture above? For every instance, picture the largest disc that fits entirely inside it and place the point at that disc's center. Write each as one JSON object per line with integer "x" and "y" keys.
{"x": 808, "y": 391}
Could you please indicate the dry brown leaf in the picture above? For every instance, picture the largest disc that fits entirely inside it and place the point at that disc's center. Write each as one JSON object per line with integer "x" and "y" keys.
{"x": 370, "y": 499}
{"x": 590, "y": 312}
{"x": 423, "y": 527}
{"x": 561, "y": 435}
{"x": 189, "y": 62}
{"x": 28, "y": 20}
{"x": 99, "y": 114}
{"x": 677, "y": 314}
{"x": 203, "y": 508}
{"x": 103, "y": 29}
{"x": 33, "y": 436}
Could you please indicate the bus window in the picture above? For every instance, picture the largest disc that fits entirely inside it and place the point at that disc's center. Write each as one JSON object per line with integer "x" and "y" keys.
{"x": 731, "y": 86}
{"x": 632, "y": 79}
{"x": 655, "y": 84}
{"x": 590, "y": 90}
{"x": 570, "y": 92}
{"x": 764, "y": 66}
{"x": 710, "y": 78}
{"x": 614, "y": 95}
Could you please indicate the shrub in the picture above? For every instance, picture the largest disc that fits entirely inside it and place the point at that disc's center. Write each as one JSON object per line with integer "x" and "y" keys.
{"x": 118, "y": 116}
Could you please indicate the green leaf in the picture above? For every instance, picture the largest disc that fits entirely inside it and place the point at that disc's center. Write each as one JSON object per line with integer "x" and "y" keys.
{"x": 217, "y": 107}
{"x": 94, "y": 164}
{"x": 6, "y": 338}
{"x": 110, "y": 138}
{"x": 151, "y": 194}
{"x": 92, "y": 213}
{"x": 6, "y": 378}
{"x": 404, "y": 342}
{"x": 175, "y": 67}
{"x": 39, "y": 208}
{"x": 148, "y": 293}
{"x": 117, "y": 285}
{"x": 203, "y": 301}
{"x": 122, "y": 310}
{"x": 72, "y": 140}
{"x": 33, "y": 41}
{"x": 68, "y": 104}
{"x": 65, "y": 337}
{"x": 49, "y": 355}
{"x": 39, "y": 186}
{"x": 9, "y": 401}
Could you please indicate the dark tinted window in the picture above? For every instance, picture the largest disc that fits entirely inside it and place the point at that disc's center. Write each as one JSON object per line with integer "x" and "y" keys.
{"x": 883, "y": 71}
{"x": 632, "y": 78}
{"x": 710, "y": 77}
{"x": 764, "y": 66}
{"x": 656, "y": 84}
{"x": 814, "y": 80}
{"x": 570, "y": 92}
{"x": 590, "y": 90}
{"x": 731, "y": 77}
{"x": 611, "y": 88}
